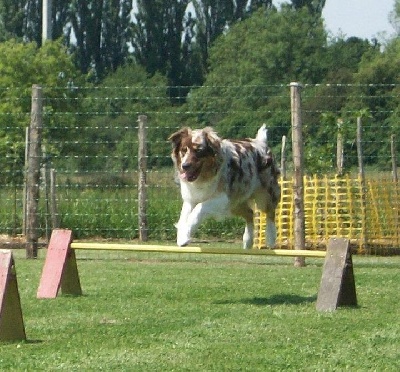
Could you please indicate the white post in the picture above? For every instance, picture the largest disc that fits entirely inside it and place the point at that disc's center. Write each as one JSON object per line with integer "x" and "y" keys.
{"x": 46, "y": 20}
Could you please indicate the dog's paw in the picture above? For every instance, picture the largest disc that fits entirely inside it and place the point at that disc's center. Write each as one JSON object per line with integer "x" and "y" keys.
{"x": 182, "y": 242}
{"x": 183, "y": 237}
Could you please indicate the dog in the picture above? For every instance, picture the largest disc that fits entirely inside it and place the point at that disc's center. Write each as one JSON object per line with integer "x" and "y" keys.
{"x": 220, "y": 178}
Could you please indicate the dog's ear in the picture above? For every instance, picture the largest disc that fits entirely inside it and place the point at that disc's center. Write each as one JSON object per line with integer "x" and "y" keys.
{"x": 212, "y": 139}
{"x": 176, "y": 138}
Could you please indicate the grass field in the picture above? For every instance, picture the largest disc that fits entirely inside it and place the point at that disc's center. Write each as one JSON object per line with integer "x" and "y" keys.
{"x": 166, "y": 312}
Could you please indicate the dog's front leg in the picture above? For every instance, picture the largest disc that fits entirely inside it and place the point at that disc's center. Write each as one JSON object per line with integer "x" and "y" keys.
{"x": 183, "y": 234}
{"x": 216, "y": 207}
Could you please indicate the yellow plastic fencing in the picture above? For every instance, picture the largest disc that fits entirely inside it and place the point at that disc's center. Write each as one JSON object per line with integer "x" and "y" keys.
{"x": 340, "y": 206}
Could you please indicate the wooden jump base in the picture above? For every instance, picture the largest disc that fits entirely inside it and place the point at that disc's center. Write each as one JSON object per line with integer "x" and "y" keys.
{"x": 337, "y": 287}
{"x": 11, "y": 322}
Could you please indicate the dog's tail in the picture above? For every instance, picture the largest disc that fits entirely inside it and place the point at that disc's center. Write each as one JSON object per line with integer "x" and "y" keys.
{"x": 262, "y": 135}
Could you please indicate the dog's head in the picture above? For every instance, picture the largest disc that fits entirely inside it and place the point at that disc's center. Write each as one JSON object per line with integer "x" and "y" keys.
{"x": 195, "y": 153}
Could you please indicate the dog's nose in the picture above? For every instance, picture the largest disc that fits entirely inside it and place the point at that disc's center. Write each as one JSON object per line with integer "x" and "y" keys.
{"x": 185, "y": 166}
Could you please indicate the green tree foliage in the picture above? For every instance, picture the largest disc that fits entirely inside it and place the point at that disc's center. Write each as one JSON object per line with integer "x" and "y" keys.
{"x": 22, "y": 19}
{"x": 173, "y": 39}
{"x": 157, "y": 38}
{"x": 212, "y": 19}
{"x": 102, "y": 30}
{"x": 97, "y": 32}
{"x": 377, "y": 92}
{"x": 22, "y": 65}
{"x": 113, "y": 108}
{"x": 248, "y": 65}
{"x": 341, "y": 61}
{"x": 313, "y": 6}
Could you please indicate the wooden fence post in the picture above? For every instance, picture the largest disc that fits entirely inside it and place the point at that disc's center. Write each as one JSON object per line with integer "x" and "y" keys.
{"x": 395, "y": 180}
{"x": 364, "y": 238}
{"x": 55, "y": 222}
{"x": 283, "y": 158}
{"x": 339, "y": 149}
{"x": 393, "y": 155}
{"x": 25, "y": 191}
{"x": 298, "y": 162}
{"x": 33, "y": 173}
{"x": 142, "y": 184}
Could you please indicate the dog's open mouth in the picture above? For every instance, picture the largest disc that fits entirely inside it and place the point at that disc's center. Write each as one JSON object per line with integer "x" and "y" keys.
{"x": 190, "y": 175}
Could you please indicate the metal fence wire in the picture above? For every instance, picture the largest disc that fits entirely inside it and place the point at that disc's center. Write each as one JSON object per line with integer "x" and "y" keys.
{"x": 89, "y": 158}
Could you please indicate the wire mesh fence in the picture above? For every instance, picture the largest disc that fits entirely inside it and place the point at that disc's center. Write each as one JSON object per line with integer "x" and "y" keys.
{"x": 89, "y": 156}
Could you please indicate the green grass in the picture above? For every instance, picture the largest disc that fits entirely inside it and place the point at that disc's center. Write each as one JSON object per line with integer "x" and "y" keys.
{"x": 160, "y": 312}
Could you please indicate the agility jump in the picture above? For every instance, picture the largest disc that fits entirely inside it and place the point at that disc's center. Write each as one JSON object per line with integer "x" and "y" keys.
{"x": 60, "y": 271}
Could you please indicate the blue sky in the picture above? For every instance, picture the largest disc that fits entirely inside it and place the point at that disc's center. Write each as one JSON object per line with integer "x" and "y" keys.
{"x": 361, "y": 18}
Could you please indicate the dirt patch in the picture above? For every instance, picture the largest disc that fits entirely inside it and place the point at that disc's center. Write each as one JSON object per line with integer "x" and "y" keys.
{"x": 16, "y": 242}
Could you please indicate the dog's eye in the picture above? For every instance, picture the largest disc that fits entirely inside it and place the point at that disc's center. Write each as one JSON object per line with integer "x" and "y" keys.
{"x": 199, "y": 151}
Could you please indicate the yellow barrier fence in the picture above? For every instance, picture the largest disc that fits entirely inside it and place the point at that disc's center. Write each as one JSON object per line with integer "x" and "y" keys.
{"x": 368, "y": 216}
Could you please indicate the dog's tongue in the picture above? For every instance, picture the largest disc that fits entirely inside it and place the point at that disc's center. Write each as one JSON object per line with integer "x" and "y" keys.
{"x": 187, "y": 176}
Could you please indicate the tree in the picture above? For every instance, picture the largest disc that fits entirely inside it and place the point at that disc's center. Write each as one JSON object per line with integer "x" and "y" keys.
{"x": 22, "y": 19}
{"x": 314, "y": 6}
{"x": 157, "y": 38}
{"x": 101, "y": 29}
{"x": 214, "y": 18}
{"x": 115, "y": 105}
{"x": 248, "y": 65}
{"x": 394, "y": 17}
{"x": 341, "y": 61}
{"x": 377, "y": 92}
{"x": 172, "y": 38}
{"x": 21, "y": 65}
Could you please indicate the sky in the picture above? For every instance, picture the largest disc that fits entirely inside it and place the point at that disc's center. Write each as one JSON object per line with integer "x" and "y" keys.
{"x": 365, "y": 19}
{"x": 362, "y": 18}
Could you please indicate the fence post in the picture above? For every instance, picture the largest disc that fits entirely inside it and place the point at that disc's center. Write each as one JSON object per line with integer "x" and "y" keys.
{"x": 283, "y": 159}
{"x": 33, "y": 173}
{"x": 393, "y": 154}
{"x": 395, "y": 181}
{"x": 339, "y": 149}
{"x": 361, "y": 175}
{"x": 25, "y": 191}
{"x": 55, "y": 223}
{"x": 298, "y": 162}
{"x": 142, "y": 184}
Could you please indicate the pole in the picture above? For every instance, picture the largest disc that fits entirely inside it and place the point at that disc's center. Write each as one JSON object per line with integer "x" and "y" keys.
{"x": 393, "y": 154}
{"x": 142, "y": 184}
{"x": 283, "y": 159}
{"x": 298, "y": 162}
{"x": 47, "y": 28}
{"x": 361, "y": 175}
{"x": 33, "y": 173}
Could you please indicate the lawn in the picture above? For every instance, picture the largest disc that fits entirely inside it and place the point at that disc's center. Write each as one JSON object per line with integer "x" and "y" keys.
{"x": 165, "y": 312}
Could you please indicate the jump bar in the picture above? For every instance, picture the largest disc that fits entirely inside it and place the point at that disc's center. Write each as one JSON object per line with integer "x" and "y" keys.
{"x": 172, "y": 249}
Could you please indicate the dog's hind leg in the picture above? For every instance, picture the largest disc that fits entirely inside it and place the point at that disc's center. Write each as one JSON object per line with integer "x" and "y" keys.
{"x": 270, "y": 229}
{"x": 248, "y": 236}
{"x": 267, "y": 204}
{"x": 247, "y": 213}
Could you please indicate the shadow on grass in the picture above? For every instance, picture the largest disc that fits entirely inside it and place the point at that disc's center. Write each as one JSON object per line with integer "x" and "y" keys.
{"x": 279, "y": 299}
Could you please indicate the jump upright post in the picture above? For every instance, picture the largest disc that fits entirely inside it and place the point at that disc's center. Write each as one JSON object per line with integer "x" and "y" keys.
{"x": 60, "y": 270}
